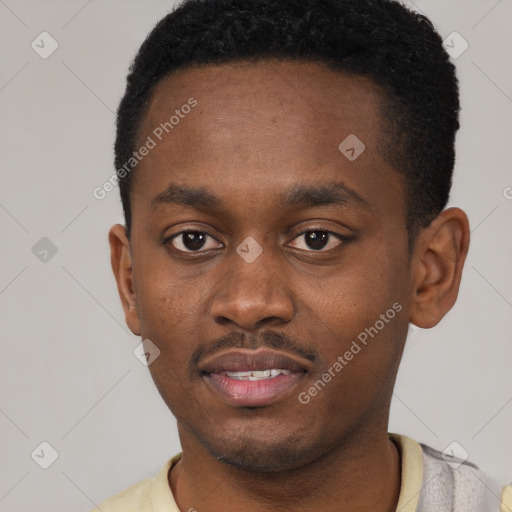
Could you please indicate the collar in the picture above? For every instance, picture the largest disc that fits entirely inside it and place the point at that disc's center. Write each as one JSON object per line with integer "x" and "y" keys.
{"x": 411, "y": 457}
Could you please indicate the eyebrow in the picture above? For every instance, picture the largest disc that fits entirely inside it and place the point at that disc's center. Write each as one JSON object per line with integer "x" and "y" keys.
{"x": 305, "y": 196}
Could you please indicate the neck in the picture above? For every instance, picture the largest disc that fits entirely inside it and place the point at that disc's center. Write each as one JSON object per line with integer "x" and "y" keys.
{"x": 361, "y": 474}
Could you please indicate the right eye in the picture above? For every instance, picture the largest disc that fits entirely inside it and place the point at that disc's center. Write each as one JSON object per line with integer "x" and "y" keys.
{"x": 191, "y": 241}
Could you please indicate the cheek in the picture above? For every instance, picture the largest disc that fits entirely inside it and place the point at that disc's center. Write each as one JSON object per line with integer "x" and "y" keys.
{"x": 367, "y": 287}
{"x": 169, "y": 310}
{"x": 361, "y": 351}
{"x": 168, "y": 316}
{"x": 165, "y": 297}
{"x": 362, "y": 315}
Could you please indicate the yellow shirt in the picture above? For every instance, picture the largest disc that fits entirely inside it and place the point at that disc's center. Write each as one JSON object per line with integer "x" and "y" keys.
{"x": 155, "y": 495}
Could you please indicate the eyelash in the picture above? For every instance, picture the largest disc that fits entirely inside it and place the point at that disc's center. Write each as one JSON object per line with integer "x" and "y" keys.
{"x": 341, "y": 238}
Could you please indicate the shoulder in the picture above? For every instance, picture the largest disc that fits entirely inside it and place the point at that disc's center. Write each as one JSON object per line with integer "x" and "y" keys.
{"x": 450, "y": 483}
{"x": 136, "y": 498}
{"x": 141, "y": 496}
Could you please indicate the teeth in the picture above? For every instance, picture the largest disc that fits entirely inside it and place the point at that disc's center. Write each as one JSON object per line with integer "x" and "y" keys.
{"x": 264, "y": 373}
{"x": 258, "y": 374}
{"x": 238, "y": 374}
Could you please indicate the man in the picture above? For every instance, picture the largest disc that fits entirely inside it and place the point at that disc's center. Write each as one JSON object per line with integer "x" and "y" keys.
{"x": 284, "y": 166}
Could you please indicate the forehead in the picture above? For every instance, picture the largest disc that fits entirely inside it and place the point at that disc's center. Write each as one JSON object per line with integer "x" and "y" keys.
{"x": 263, "y": 126}
{"x": 302, "y": 91}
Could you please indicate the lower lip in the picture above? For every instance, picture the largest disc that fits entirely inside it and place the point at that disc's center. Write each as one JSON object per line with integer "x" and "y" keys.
{"x": 253, "y": 392}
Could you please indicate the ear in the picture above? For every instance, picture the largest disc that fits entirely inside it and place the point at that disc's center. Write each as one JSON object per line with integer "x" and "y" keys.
{"x": 121, "y": 260}
{"x": 437, "y": 262}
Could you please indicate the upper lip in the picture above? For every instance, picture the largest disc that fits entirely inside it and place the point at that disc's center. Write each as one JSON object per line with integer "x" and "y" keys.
{"x": 247, "y": 360}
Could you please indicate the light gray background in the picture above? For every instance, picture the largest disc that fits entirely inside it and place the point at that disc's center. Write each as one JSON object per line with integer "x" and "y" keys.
{"x": 68, "y": 373}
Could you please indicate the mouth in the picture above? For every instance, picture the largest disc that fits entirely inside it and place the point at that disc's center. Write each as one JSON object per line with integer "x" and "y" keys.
{"x": 249, "y": 378}
{"x": 255, "y": 375}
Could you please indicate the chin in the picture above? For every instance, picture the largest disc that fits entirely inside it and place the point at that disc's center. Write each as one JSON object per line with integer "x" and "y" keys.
{"x": 263, "y": 453}
{"x": 264, "y": 460}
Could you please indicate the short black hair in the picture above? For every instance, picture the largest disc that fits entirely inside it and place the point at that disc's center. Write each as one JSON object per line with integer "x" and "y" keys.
{"x": 383, "y": 40}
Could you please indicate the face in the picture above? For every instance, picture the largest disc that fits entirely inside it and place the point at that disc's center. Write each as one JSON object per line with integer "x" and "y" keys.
{"x": 258, "y": 244}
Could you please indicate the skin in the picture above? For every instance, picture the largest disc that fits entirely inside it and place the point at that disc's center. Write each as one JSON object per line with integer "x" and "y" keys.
{"x": 258, "y": 130}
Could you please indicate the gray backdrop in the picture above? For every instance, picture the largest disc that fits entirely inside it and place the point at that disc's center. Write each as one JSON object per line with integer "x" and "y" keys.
{"x": 69, "y": 378}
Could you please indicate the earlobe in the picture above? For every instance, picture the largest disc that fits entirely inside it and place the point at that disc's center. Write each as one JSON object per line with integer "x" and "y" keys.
{"x": 438, "y": 259}
{"x": 121, "y": 261}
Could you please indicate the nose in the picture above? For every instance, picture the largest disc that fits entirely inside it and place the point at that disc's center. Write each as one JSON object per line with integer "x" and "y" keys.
{"x": 251, "y": 295}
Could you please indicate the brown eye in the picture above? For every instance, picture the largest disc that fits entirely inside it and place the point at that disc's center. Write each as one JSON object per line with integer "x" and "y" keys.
{"x": 317, "y": 239}
{"x": 192, "y": 241}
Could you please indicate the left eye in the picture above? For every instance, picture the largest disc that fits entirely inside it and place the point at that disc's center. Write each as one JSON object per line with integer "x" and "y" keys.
{"x": 317, "y": 239}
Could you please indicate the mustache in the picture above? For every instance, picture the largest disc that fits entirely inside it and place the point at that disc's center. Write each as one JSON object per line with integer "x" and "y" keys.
{"x": 268, "y": 339}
